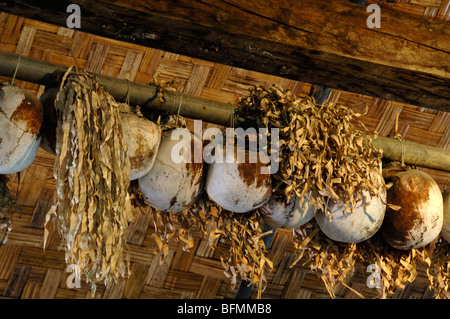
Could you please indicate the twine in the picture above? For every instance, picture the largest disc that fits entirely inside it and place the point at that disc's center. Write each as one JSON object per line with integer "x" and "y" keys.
{"x": 179, "y": 106}
{"x": 15, "y": 71}
{"x": 127, "y": 99}
{"x": 398, "y": 137}
{"x": 233, "y": 117}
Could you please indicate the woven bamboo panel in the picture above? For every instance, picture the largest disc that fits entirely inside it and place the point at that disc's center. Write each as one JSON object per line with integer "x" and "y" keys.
{"x": 28, "y": 271}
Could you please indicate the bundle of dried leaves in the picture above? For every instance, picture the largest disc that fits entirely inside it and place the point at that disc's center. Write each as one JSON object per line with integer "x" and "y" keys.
{"x": 245, "y": 257}
{"x": 336, "y": 262}
{"x": 180, "y": 227}
{"x": 397, "y": 268}
{"x": 92, "y": 206}
{"x": 439, "y": 269}
{"x": 5, "y": 210}
{"x": 242, "y": 249}
{"x": 333, "y": 262}
{"x": 322, "y": 147}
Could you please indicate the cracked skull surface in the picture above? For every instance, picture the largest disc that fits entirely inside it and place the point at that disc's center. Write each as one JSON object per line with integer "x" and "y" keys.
{"x": 21, "y": 117}
{"x": 143, "y": 138}
{"x": 173, "y": 186}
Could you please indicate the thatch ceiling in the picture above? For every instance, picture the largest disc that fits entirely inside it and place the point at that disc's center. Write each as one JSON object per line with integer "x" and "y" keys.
{"x": 27, "y": 271}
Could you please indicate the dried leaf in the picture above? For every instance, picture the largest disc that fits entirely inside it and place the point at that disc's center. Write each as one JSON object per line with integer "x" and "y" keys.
{"x": 92, "y": 206}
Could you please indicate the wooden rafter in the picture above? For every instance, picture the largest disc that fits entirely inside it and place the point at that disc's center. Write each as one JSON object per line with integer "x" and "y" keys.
{"x": 320, "y": 42}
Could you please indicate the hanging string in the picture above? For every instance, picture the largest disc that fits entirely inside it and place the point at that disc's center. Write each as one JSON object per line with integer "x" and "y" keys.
{"x": 74, "y": 58}
{"x": 173, "y": 105}
{"x": 125, "y": 107}
{"x": 398, "y": 137}
{"x": 127, "y": 99}
{"x": 179, "y": 106}
{"x": 15, "y": 71}
{"x": 233, "y": 117}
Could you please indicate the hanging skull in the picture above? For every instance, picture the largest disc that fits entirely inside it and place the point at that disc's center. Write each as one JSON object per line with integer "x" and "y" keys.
{"x": 345, "y": 226}
{"x": 282, "y": 213}
{"x": 420, "y": 217}
{"x": 21, "y": 117}
{"x": 143, "y": 138}
{"x": 173, "y": 185}
{"x": 238, "y": 186}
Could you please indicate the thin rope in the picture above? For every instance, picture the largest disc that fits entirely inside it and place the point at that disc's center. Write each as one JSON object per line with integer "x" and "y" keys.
{"x": 179, "y": 106}
{"x": 127, "y": 99}
{"x": 233, "y": 117}
{"x": 398, "y": 137}
{"x": 15, "y": 71}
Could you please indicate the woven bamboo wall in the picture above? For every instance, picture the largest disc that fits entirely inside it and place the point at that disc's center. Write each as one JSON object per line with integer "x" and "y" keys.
{"x": 27, "y": 271}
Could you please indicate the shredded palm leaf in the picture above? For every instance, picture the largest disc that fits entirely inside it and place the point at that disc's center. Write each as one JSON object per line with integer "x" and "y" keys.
{"x": 92, "y": 207}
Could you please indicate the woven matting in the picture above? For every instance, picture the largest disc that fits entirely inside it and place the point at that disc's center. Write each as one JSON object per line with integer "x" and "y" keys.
{"x": 27, "y": 271}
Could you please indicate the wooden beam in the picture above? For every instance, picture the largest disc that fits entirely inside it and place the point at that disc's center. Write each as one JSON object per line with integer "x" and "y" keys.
{"x": 320, "y": 42}
{"x": 37, "y": 71}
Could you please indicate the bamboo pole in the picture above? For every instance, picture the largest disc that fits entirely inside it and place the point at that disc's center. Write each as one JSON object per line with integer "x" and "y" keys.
{"x": 36, "y": 71}
{"x": 413, "y": 153}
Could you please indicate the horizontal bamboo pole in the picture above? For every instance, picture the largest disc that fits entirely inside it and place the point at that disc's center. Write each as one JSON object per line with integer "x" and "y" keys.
{"x": 36, "y": 71}
{"x": 413, "y": 153}
{"x": 40, "y": 72}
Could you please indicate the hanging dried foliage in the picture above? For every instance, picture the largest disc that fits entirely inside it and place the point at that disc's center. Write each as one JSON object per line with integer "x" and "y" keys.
{"x": 336, "y": 262}
{"x": 397, "y": 268}
{"x": 5, "y": 210}
{"x": 245, "y": 254}
{"x": 92, "y": 206}
{"x": 245, "y": 257}
{"x": 172, "y": 226}
{"x": 322, "y": 147}
{"x": 333, "y": 262}
{"x": 439, "y": 269}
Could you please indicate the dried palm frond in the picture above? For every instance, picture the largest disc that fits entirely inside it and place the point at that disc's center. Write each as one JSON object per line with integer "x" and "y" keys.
{"x": 333, "y": 262}
{"x": 439, "y": 269}
{"x": 322, "y": 147}
{"x": 397, "y": 268}
{"x": 92, "y": 206}
{"x": 5, "y": 210}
